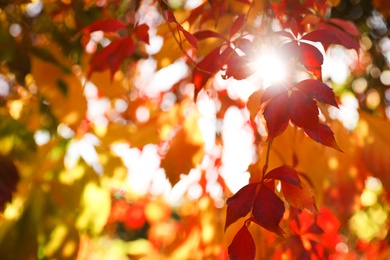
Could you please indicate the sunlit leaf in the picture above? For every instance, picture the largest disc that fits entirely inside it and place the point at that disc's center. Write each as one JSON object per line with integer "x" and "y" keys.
{"x": 299, "y": 197}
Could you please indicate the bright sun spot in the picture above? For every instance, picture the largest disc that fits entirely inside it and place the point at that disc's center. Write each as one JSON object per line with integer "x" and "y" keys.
{"x": 270, "y": 68}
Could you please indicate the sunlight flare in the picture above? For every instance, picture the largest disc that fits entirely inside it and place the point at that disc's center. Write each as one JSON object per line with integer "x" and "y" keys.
{"x": 271, "y": 68}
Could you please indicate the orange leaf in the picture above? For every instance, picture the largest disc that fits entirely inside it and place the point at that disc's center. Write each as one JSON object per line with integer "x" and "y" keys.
{"x": 299, "y": 198}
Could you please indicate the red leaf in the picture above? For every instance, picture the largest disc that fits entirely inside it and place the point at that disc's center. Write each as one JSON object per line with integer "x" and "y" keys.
{"x": 347, "y": 26}
{"x": 107, "y": 25}
{"x": 141, "y": 31}
{"x": 303, "y": 110}
{"x": 243, "y": 246}
{"x": 112, "y": 55}
{"x": 299, "y": 197}
{"x": 205, "y": 69}
{"x": 346, "y": 40}
{"x": 201, "y": 35}
{"x": 237, "y": 25}
{"x": 218, "y": 8}
{"x": 276, "y": 113}
{"x": 240, "y": 204}
{"x": 289, "y": 50}
{"x": 190, "y": 38}
{"x": 237, "y": 67}
{"x": 272, "y": 91}
{"x": 246, "y": 46}
{"x": 317, "y": 90}
{"x": 324, "y": 135}
{"x": 171, "y": 17}
{"x": 284, "y": 173}
{"x": 268, "y": 210}
{"x": 9, "y": 178}
{"x": 311, "y": 58}
{"x": 323, "y": 36}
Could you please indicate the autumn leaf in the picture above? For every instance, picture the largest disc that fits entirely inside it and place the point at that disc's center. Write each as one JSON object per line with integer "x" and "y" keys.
{"x": 141, "y": 32}
{"x": 237, "y": 25}
{"x": 303, "y": 110}
{"x": 112, "y": 56}
{"x": 105, "y": 25}
{"x": 311, "y": 58}
{"x": 276, "y": 113}
{"x": 317, "y": 90}
{"x": 299, "y": 197}
{"x": 324, "y": 135}
{"x": 345, "y": 39}
{"x": 284, "y": 173}
{"x": 268, "y": 210}
{"x": 243, "y": 246}
{"x": 240, "y": 204}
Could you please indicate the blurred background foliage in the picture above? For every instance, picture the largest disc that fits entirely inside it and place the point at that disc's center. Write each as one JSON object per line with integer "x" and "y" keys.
{"x": 121, "y": 167}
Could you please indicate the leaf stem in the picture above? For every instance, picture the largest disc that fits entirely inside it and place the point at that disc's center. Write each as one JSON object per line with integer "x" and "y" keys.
{"x": 267, "y": 159}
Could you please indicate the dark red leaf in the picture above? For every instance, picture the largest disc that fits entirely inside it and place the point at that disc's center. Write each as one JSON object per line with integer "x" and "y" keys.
{"x": 205, "y": 69}
{"x": 325, "y": 37}
{"x": 243, "y": 246}
{"x": 311, "y": 58}
{"x": 317, "y": 90}
{"x": 268, "y": 210}
{"x": 272, "y": 91}
{"x": 346, "y": 40}
{"x": 141, "y": 31}
{"x": 237, "y": 24}
{"x": 284, "y": 173}
{"x": 9, "y": 178}
{"x": 107, "y": 25}
{"x": 201, "y": 35}
{"x": 240, "y": 204}
{"x": 303, "y": 110}
{"x": 112, "y": 55}
{"x": 276, "y": 113}
{"x": 189, "y": 37}
{"x": 324, "y": 135}
{"x": 347, "y": 26}
{"x": 299, "y": 197}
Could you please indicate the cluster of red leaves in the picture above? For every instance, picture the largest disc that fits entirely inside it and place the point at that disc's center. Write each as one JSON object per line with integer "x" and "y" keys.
{"x": 296, "y": 102}
{"x": 120, "y": 48}
{"x": 266, "y": 206}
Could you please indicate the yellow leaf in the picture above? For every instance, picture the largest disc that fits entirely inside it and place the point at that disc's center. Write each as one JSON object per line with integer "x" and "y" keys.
{"x": 63, "y": 91}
